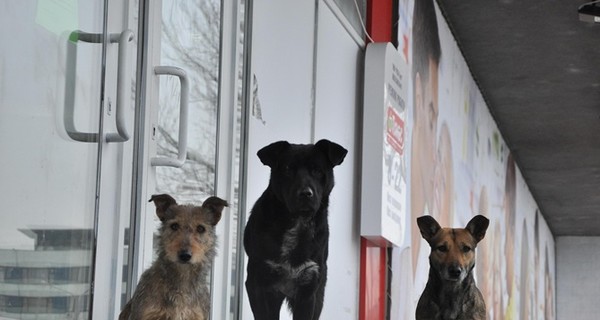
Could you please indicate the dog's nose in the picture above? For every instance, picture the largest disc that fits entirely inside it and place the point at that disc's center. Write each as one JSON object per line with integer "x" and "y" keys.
{"x": 454, "y": 272}
{"x": 185, "y": 256}
{"x": 306, "y": 193}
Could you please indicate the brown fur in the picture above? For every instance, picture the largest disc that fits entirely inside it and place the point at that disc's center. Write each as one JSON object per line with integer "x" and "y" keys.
{"x": 174, "y": 287}
{"x": 450, "y": 293}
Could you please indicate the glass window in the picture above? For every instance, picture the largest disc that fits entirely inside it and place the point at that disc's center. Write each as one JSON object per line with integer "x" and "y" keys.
{"x": 190, "y": 40}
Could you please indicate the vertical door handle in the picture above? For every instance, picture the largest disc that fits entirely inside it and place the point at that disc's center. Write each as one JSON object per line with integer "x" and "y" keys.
{"x": 122, "y": 39}
{"x": 183, "y": 118}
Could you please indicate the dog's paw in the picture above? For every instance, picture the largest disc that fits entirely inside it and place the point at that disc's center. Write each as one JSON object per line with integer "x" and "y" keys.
{"x": 306, "y": 273}
{"x": 279, "y": 269}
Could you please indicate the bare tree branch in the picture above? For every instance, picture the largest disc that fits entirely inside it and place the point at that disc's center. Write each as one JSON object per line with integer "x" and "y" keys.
{"x": 190, "y": 40}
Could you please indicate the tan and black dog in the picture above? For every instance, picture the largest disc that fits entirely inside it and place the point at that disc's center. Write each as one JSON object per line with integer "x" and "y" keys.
{"x": 450, "y": 293}
{"x": 175, "y": 286}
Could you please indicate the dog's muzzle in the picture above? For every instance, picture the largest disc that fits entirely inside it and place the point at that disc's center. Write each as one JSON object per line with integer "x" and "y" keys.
{"x": 454, "y": 273}
{"x": 184, "y": 256}
{"x": 306, "y": 194}
{"x": 306, "y": 200}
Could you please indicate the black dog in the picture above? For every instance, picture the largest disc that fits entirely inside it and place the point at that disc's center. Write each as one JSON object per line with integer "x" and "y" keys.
{"x": 287, "y": 234}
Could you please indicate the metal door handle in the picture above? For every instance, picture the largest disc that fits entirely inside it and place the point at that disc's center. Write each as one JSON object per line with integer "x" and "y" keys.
{"x": 183, "y": 118}
{"x": 122, "y": 39}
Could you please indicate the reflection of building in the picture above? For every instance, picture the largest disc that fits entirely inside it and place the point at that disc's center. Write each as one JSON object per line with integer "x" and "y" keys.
{"x": 50, "y": 282}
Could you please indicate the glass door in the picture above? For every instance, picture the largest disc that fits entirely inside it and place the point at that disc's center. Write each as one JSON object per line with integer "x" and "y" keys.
{"x": 67, "y": 73}
{"x": 91, "y": 127}
{"x": 180, "y": 111}
{"x": 116, "y": 172}
{"x": 189, "y": 43}
{"x": 189, "y": 128}
{"x": 49, "y": 137}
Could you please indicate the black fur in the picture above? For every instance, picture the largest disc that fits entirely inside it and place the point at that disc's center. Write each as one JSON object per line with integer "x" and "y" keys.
{"x": 287, "y": 234}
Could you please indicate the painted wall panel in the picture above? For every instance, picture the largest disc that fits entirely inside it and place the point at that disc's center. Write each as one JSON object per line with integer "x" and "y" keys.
{"x": 460, "y": 166}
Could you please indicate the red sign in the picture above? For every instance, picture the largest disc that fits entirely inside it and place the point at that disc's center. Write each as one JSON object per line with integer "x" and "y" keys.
{"x": 395, "y": 130}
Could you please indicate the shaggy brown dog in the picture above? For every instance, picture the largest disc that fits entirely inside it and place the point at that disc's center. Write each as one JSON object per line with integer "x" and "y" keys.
{"x": 175, "y": 287}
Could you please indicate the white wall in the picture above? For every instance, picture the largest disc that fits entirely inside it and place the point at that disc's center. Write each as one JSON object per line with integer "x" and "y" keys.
{"x": 577, "y": 277}
{"x": 339, "y": 70}
{"x": 302, "y": 97}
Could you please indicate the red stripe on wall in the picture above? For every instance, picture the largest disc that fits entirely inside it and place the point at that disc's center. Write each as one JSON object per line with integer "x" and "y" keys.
{"x": 372, "y": 281}
{"x": 379, "y": 20}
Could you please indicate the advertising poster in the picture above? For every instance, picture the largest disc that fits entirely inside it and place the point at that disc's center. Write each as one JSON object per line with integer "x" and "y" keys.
{"x": 444, "y": 156}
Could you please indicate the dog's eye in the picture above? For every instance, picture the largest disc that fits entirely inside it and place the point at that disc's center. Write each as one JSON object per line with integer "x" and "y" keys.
{"x": 442, "y": 248}
{"x": 175, "y": 226}
{"x": 287, "y": 169}
{"x": 466, "y": 249}
{"x": 200, "y": 229}
{"x": 316, "y": 172}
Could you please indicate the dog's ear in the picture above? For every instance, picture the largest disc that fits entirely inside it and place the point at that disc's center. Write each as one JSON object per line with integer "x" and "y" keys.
{"x": 162, "y": 203}
{"x": 335, "y": 153}
{"x": 428, "y": 227}
{"x": 477, "y": 227}
{"x": 271, "y": 153}
{"x": 214, "y": 207}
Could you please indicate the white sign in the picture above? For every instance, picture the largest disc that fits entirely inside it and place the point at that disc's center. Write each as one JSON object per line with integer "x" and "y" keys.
{"x": 384, "y": 171}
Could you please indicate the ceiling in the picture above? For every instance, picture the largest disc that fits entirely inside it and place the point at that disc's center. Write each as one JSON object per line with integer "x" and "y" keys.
{"x": 538, "y": 68}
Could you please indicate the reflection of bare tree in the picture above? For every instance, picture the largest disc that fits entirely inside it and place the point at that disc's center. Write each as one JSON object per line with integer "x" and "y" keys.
{"x": 190, "y": 40}
{"x": 192, "y": 155}
{"x": 191, "y": 34}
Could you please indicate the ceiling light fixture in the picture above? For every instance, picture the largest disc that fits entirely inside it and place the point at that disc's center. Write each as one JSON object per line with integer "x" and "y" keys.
{"x": 590, "y": 12}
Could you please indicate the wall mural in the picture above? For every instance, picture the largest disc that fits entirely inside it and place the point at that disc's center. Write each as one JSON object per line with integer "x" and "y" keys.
{"x": 459, "y": 166}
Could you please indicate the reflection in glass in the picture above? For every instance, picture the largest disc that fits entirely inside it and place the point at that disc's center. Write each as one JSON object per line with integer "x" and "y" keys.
{"x": 191, "y": 41}
{"x": 48, "y": 180}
